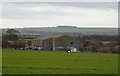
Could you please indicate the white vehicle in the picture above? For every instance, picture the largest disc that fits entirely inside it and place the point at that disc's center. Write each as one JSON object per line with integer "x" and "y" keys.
{"x": 72, "y": 49}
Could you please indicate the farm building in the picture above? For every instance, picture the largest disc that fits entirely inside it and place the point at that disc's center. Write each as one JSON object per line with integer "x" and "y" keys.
{"x": 56, "y": 42}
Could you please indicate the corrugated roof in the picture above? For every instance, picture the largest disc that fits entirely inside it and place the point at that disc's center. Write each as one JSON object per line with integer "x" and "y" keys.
{"x": 47, "y": 37}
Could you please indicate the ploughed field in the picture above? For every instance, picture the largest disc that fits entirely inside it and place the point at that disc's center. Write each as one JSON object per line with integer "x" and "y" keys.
{"x": 48, "y": 62}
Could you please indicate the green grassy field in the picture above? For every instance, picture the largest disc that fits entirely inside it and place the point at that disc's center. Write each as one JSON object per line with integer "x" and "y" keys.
{"x": 46, "y": 62}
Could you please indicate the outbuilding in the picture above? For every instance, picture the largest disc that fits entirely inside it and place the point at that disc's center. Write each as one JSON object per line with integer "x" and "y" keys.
{"x": 55, "y": 42}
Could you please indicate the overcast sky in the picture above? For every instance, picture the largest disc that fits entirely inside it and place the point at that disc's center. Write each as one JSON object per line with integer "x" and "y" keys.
{"x": 51, "y": 14}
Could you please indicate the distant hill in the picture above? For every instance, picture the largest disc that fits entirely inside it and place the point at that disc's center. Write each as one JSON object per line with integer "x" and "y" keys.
{"x": 67, "y": 27}
{"x": 67, "y": 30}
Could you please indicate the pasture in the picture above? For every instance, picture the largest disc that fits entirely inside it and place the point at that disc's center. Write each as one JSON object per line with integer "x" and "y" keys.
{"x": 48, "y": 62}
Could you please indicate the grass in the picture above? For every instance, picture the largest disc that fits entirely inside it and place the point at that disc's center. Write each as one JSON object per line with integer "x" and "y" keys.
{"x": 47, "y": 62}
{"x": 0, "y": 61}
{"x": 26, "y": 39}
{"x": 106, "y": 42}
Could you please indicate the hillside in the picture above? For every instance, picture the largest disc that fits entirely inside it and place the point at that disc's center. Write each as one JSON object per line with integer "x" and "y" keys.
{"x": 67, "y": 30}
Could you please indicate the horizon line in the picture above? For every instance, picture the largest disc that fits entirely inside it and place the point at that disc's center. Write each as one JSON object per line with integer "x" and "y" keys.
{"x": 57, "y": 26}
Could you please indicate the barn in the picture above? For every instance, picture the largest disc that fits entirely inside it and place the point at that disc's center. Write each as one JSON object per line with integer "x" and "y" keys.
{"x": 56, "y": 42}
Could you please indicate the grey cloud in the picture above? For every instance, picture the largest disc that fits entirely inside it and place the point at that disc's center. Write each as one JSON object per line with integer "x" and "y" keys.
{"x": 112, "y": 5}
{"x": 12, "y": 10}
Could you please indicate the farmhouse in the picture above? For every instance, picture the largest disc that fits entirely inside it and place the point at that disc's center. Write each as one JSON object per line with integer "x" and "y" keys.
{"x": 56, "y": 42}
